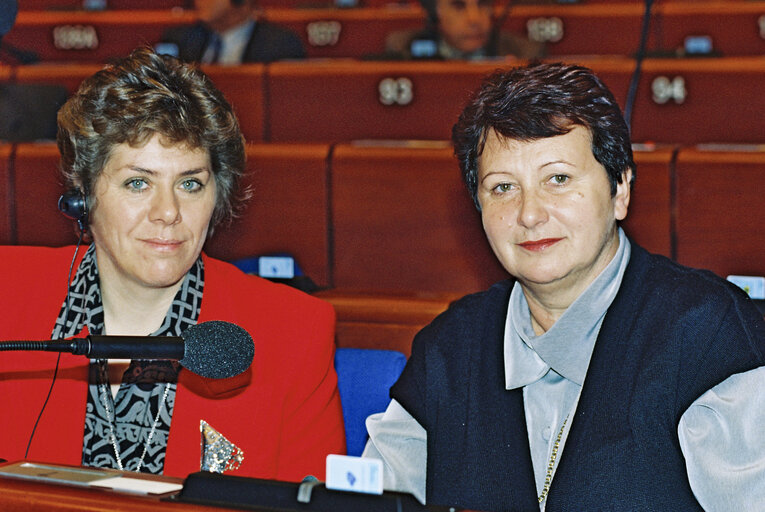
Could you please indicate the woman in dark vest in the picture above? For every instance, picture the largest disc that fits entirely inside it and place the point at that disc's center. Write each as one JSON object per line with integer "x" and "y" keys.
{"x": 601, "y": 377}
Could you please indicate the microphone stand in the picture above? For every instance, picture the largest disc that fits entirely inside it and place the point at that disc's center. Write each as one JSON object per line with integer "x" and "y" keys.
{"x": 107, "y": 347}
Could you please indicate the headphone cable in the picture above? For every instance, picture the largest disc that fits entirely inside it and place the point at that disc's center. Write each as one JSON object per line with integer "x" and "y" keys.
{"x": 58, "y": 359}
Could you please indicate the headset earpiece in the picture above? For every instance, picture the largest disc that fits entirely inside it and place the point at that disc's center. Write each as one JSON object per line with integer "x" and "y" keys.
{"x": 73, "y": 205}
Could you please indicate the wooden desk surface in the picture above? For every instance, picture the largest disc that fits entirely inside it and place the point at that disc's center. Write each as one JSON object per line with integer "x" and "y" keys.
{"x": 18, "y": 495}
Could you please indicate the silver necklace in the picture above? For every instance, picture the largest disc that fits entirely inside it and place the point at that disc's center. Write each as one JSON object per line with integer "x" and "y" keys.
{"x": 112, "y": 418}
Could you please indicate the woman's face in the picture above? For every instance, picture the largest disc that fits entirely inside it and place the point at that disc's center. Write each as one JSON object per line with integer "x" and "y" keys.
{"x": 151, "y": 212}
{"x": 548, "y": 212}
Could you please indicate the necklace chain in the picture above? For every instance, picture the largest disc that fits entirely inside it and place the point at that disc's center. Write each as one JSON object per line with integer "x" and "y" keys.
{"x": 551, "y": 463}
{"x": 112, "y": 418}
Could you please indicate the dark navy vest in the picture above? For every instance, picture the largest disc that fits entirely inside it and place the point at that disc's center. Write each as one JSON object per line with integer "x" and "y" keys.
{"x": 670, "y": 334}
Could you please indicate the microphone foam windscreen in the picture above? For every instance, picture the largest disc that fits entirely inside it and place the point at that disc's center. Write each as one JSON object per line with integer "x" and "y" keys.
{"x": 217, "y": 350}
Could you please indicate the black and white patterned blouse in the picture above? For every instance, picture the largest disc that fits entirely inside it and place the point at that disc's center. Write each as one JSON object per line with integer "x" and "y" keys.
{"x": 128, "y": 431}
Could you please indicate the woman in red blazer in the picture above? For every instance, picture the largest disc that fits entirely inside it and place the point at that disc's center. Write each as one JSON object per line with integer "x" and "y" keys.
{"x": 154, "y": 154}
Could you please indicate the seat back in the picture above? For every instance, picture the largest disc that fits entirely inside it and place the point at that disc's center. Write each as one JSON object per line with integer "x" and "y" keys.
{"x": 364, "y": 377}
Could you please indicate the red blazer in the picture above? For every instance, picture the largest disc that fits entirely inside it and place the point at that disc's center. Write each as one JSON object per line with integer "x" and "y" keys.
{"x": 284, "y": 412}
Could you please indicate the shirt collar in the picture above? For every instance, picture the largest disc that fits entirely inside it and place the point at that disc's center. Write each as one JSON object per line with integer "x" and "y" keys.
{"x": 567, "y": 346}
{"x": 234, "y": 41}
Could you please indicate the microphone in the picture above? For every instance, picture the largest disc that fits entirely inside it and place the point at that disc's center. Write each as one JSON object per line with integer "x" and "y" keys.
{"x": 214, "y": 349}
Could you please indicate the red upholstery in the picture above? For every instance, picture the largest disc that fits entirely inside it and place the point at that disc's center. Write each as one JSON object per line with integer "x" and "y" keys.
{"x": 38, "y": 186}
{"x": 288, "y": 211}
{"x": 682, "y": 101}
{"x": 649, "y": 217}
{"x": 586, "y": 28}
{"x": 242, "y": 86}
{"x": 613, "y": 27}
{"x": 58, "y": 5}
{"x": 87, "y": 36}
{"x": 719, "y": 211}
{"x": 403, "y": 222}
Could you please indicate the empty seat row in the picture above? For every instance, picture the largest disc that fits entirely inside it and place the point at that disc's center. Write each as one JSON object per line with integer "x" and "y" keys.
{"x": 680, "y": 101}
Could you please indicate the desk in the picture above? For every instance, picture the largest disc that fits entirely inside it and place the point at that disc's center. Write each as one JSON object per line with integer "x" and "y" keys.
{"x": 28, "y": 496}
{"x": 20, "y": 495}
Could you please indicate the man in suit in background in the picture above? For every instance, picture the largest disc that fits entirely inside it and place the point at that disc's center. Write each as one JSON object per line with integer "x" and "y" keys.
{"x": 229, "y": 32}
{"x": 460, "y": 29}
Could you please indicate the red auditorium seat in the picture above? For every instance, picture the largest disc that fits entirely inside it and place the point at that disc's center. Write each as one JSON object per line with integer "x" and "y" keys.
{"x": 329, "y": 33}
{"x": 684, "y": 101}
{"x": 649, "y": 220}
{"x": 69, "y": 75}
{"x": 719, "y": 210}
{"x": 73, "y": 5}
{"x": 403, "y": 222}
{"x": 613, "y": 28}
{"x": 734, "y": 28}
{"x": 288, "y": 212}
{"x": 242, "y": 86}
{"x": 379, "y": 321}
{"x": 86, "y": 36}
{"x": 345, "y": 100}
{"x": 38, "y": 185}
{"x": 690, "y": 101}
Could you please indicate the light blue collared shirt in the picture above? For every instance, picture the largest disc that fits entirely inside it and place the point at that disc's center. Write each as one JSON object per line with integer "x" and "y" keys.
{"x": 233, "y": 43}
{"x": 551, "y": 367}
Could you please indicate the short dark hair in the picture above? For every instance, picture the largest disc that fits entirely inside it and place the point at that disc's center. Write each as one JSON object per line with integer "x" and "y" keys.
{"x": 146, "y": 94}
{"x": 543, "y": 100}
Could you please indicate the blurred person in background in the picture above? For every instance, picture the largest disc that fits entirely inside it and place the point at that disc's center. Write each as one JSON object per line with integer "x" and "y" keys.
{"x": 231, "y": 32}
{"x": 460, "y": 29}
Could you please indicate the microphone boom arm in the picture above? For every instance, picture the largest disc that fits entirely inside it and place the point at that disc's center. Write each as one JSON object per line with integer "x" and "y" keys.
{"x": 107, "y": 347}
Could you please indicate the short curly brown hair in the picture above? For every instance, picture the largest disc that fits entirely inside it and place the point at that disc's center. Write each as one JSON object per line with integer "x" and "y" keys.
{"x": 145, "y": 94}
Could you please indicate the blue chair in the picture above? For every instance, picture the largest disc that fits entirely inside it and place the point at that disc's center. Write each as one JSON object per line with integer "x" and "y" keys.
{"x": 364, "y": 377}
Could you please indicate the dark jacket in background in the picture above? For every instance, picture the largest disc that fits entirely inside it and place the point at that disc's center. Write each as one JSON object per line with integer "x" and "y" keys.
{"x": 398, "y": 45}
{"x": 267, "y": 43}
